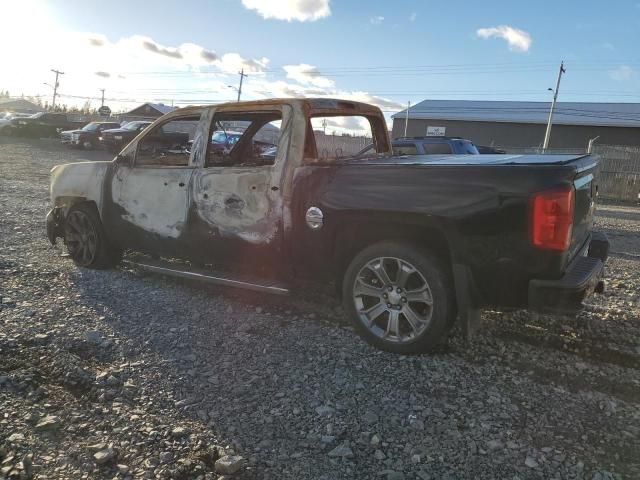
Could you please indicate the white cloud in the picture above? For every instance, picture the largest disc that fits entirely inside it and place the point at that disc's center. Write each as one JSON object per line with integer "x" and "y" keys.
{"x": 307, "y": 75}
{"x": 186, "y": 55}
{"x": 622, "y": 73}
{"x": 290, "y": 10}
{"x": 233, "y": 63}
{"x": 376, "y": 20}
{"x": 518, "y": 40}
{"x": 382, "y": 103}
{"x": 413, "y": 16}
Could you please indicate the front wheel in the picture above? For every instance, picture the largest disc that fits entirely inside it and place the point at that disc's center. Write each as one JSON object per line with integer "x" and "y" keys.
{"x": 399, "y": 297}
{"x": 86, "y": 240}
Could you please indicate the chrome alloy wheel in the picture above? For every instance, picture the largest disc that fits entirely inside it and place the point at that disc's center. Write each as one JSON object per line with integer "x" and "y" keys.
{"x": 81, "y": 238}
{"x": 393, "y": 299}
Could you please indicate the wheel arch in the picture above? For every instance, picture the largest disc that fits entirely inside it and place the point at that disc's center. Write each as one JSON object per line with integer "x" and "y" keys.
{"x": 61, "y": 207}
{"x": 65, "y": 203}
{"x": 353, "y": 237}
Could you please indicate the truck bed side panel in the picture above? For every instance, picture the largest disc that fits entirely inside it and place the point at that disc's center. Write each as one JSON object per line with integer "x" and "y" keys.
{"x": 482, "y": 210}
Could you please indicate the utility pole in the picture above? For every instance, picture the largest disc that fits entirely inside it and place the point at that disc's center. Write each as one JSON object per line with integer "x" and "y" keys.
{"x": 547, "y": 134}
{"x": 102, "y": 101}
{"x": 406, "y": 122}
{"x": 242, "y": 75}
{"x": 324, "y": 126}
{"x": 55, "y": 87}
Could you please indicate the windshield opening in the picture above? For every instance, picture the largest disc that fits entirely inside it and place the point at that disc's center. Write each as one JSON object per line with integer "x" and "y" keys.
{"x": 134, "y": 125}
{"x": 90, "y": 127}
{"x": 468, "y": 147}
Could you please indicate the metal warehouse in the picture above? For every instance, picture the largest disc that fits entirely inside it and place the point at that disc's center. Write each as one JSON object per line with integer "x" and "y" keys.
{"x": 516, "y": 125}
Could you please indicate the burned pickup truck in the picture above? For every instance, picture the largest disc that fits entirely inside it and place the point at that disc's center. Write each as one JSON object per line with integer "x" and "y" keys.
{"x": 410, "y": 242}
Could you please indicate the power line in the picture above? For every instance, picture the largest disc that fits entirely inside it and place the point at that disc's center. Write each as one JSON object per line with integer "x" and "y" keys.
{"x": 573, "y": 113}
{"x": 440, "y": 110}
{"x": 452, "y": 69}
{"x": 319, "y": 70}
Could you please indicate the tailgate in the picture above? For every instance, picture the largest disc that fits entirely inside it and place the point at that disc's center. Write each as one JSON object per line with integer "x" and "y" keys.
{"x": 584, "y": 204}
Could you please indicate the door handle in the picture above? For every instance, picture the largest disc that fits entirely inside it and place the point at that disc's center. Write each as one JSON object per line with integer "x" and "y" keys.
{"x": 181, "y": 184}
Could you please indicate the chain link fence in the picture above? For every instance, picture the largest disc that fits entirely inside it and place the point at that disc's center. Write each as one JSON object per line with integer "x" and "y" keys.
{"x": 336, "y": 146}
{"x": 618, "y": 172}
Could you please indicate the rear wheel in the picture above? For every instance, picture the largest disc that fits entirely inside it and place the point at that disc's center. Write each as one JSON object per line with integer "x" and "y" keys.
{"x": 86, "y": 240}
{"x": 399, "y": 297}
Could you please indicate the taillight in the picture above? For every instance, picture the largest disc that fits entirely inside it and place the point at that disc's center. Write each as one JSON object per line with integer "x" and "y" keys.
{"x": 552, "y": 219}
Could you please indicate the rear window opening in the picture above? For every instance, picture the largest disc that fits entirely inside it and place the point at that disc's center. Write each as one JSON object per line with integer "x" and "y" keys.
{"x": 339, "y": 137}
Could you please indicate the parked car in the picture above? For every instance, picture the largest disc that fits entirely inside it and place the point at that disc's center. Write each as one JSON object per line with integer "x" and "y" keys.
{"x": 410, "y": 242}
{"x": 225, "y": 140}
{"x": 486, "y": 150}
{"x": 5, "y": 121}
{"x": 426, "y": 146}
{"x": 113, "y": 140}
{"x": 433, "y": 146}
{"x": 88, "y": 136}
{"x": 43, "y": 124}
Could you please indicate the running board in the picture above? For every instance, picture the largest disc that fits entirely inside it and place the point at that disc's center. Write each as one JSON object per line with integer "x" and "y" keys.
{"x": 211, "y": 277}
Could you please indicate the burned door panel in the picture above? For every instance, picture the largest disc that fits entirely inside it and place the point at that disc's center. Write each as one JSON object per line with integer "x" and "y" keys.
{"x": 148, "y": 198}
{"x": 238, "y": 211}
{"x": 237, "y": 202}
{"x": 148, "y": 208}
{"x": 153, "y": 199}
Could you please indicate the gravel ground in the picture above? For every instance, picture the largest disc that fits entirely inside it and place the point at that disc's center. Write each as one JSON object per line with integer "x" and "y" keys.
{"x": 117, "y": 374}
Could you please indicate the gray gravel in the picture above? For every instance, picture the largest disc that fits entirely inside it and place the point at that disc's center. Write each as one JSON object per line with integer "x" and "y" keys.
{"x": 116, "y": 374}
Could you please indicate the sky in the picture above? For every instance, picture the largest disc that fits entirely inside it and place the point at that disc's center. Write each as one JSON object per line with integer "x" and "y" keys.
{"x": 386, "y": 53}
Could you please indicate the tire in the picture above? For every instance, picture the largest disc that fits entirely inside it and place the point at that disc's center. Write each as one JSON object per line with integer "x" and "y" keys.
{"x": 86, "y": 241}
{"x": 418, "y": 290}
{"x": 87, "y": 145}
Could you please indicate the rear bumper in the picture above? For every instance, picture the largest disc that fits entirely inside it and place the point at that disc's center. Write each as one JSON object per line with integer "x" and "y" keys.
{"x": 566, "y": 294}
